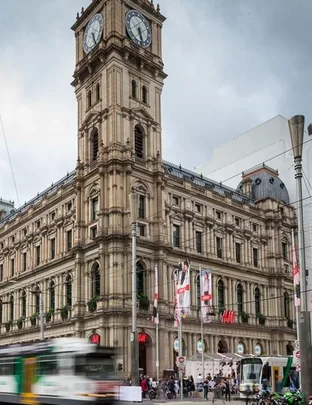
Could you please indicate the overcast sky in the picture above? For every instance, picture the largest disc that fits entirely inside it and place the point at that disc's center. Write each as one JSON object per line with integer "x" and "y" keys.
{"x": 232, "y": 64}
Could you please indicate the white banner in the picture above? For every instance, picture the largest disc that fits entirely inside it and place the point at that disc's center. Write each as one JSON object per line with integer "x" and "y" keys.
{"x": 183, "y": 290}
{"x": 206, "y": 295}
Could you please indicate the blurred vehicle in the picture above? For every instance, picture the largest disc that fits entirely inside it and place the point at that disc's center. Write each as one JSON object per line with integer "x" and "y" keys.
{"x": 58, "y": 371}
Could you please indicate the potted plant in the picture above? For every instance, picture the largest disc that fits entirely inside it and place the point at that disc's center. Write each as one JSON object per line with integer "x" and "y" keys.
{"x": 33, "y": 319}
{"x": 92, "y": 304}
{"x": 49, "y": 314}
{"x": 64, "y": 312}
{"x": 20, "y": 322}
{"x": 143, "y": 302}
{"x": 261, "y": 318}
{"x": 244, "y": 316}
{"x": 8, "y": 325}
{"x": 290, "y": 323}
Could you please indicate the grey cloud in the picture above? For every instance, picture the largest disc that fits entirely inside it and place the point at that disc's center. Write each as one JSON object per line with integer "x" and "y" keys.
{"x": 231, "y": 65}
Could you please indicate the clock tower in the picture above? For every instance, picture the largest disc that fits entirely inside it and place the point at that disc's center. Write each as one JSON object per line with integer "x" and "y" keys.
{"x": 118, "y": 78}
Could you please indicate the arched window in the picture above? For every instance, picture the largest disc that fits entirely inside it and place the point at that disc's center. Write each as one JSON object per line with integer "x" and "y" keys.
{"x": 140, "y": 279}
{"x": 144, "y": 94}
{"x": 221, "y": 303}
{"x": 138, "y": 142}
{"x": 240, "y": 302}
{"x": 52, "y": 295}
{"x": 94, "y": 145}
{"x": 286, "y": 305}
{"x": 198, "y": 295}
{"x": 1, "y": 312}
{"x": 37, "y": 300}
{"x": 89, "y": 99}
{"x": 97, "y": 92}
{"x": 68, "y": 287}
{"x": 12, "y": 308}
{"x": 96, "y": 281}
{"x": 257, "y": 301}
{"x": 24, "y": 304}
{"x": 134, "y": 89}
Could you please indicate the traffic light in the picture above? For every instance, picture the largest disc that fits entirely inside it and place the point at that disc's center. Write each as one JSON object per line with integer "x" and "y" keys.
{"x": 120, "y": 366}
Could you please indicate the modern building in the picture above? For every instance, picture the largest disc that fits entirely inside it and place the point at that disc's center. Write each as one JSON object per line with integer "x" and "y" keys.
{"x": 269, "y": 143}
{"x": 72, "y": 242}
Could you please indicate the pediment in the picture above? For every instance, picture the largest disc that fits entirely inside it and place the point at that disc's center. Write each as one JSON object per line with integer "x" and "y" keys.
{"x": 177, "y": 217}
{"x": 68, "y": 223}
{"x": 141, "y": 112}
{"x": 37, "y": 239}
{"x": 199, "y": 223}
{"x": 92, "y": 116}
{"x": 52, "y": 231}
{"x": 24, "y": 246}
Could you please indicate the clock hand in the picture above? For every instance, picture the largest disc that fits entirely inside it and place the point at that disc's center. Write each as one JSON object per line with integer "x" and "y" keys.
{"x": 93, "y": 38}
{"x": 140, "y": 34}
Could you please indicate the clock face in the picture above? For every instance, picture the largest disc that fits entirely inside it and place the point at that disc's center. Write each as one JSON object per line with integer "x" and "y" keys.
{"x": 93, "y": 33}
{"x": 138, "y": 29}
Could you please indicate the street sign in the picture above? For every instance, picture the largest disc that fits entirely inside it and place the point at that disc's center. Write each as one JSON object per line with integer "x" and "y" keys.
{"x": 180, "y": 360}
{"x": 182, "y": 368}
{"x": 297, "y": 354}
{"x": 298, "y": 367}
{"x": 297, "y": 344}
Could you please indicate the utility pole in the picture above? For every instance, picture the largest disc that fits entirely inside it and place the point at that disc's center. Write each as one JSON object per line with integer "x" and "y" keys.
{"x": 296, "y": 128}
{"x": 134, "y": 205}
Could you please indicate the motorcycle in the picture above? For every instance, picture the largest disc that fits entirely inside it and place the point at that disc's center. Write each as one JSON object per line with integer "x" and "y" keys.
{"x": 293, "y": 398}
{"x": 152, "y": 393}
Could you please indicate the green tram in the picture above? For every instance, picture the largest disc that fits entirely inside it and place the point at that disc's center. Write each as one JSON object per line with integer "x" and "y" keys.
{"x": 58, "y": 371}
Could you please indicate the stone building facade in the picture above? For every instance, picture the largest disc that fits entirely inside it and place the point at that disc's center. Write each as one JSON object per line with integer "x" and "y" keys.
{"x": 73, "y": 241}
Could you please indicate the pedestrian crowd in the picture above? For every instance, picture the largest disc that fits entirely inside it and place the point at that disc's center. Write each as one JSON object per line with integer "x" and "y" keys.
{"x": 212, "y": 387}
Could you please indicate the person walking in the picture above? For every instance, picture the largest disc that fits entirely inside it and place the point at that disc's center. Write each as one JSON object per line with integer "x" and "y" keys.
{"x": 206, "y": 389}
{"x": 227, "y": 390}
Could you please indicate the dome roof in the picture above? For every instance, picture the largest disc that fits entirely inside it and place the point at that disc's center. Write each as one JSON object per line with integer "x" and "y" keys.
{"x": 265, "y": 183}
{"x": 6, "y": 207}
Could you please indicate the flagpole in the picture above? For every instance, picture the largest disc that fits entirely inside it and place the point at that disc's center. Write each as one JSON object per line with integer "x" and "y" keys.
{"x": 180, "y": 354}
{"x": 157, "y": 353}
{"x": 157, "y": 327}
{"x": 201, "y": 327}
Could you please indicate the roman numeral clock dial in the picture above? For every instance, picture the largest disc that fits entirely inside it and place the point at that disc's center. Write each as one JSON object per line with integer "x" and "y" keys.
{"x": 138, "y": 29}
{"x": 93, "y": 33}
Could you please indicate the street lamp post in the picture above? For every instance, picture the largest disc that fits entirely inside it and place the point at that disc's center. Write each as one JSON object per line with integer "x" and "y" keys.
{"x": 296, "y": 128}
{"x": 134, "y": 205}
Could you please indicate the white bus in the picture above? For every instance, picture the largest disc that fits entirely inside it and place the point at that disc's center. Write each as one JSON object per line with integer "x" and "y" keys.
{"x": 254, "y": 370}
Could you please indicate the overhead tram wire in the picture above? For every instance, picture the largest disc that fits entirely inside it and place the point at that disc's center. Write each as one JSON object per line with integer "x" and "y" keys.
{"x": 10, "y": 162}
{"x": 265, "y": 161}
{"x": 181, "y": 252}
{"x": 205, "y": 233}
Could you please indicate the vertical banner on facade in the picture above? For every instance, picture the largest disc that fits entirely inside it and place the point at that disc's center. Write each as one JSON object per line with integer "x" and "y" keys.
{"x": 206, "y": 295}
{"x": 183, "y": 290}
{"x": 155, "y": 317}
{"x": 296, "y": 273}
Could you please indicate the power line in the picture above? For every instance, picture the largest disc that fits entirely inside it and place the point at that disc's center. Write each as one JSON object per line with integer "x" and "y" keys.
{"x": 10, "y": 162}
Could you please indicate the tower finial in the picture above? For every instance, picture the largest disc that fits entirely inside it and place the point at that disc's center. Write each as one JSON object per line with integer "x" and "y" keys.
{"x": 158, "y": 8}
